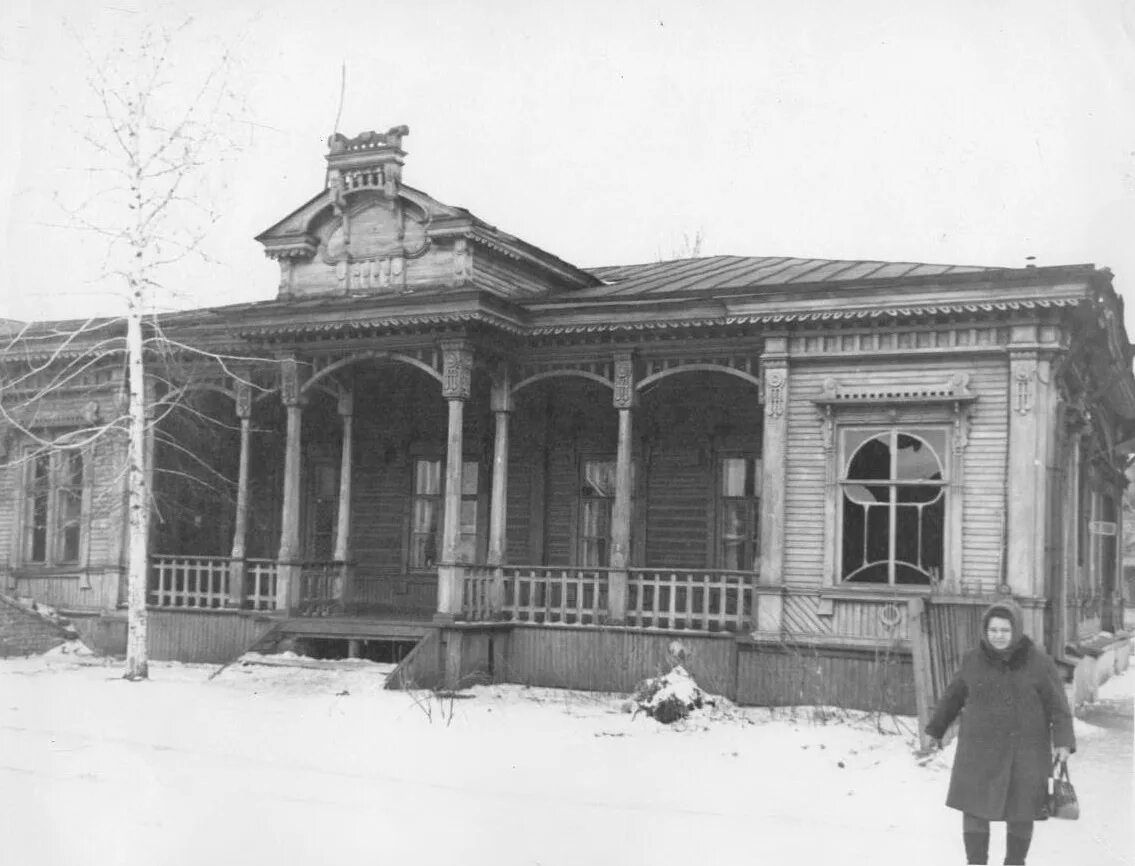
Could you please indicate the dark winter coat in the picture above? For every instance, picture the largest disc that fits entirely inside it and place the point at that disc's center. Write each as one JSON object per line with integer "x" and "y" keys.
{"x": 1013, "y": 711}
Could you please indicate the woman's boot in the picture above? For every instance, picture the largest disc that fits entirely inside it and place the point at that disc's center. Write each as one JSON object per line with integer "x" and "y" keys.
{"x": 977, "y": 847}
{"x": 1016, "y": 847}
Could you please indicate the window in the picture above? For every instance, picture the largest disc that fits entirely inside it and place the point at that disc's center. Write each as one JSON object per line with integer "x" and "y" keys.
{"x": 892, "y": 505}
{"x": 54, "y": 508}
{"x": 738, "y": 513}
{"x": 596, "y": 507}
{"x": 428, "y": 508}
{"x": 597, "y": 498}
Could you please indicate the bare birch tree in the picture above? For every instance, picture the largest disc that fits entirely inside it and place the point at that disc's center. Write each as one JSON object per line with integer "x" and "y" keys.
{"x": 162, "y": 122}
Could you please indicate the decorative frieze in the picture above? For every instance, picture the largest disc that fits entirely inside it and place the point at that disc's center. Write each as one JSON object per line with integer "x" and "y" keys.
{"x": 896, "y": 341}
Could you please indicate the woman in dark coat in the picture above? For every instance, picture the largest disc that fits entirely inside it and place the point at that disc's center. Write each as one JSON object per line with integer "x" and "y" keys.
{"x": 1015, "y": 717}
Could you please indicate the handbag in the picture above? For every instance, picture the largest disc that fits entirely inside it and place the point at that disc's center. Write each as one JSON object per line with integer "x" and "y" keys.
{"x": 1062, "y": 801}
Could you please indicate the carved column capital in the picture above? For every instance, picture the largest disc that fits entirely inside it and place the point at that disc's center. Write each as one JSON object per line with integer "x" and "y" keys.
{"x": 457, "y": 370}
{"x": 243, "y": 400}
{"x": 291, "y": 382}
{"x": 625, "y": 393}
{"x": 501, "y": 399}
{"x": 346, "y": 404}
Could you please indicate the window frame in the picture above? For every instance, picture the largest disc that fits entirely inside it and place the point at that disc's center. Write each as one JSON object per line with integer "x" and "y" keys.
{"x": 752, "y": 496}
{"x": 578, "y": 538}
{"x": 844, "y": 455}
{"x": 471, "y": 545}
{"x": 55, "y": 493}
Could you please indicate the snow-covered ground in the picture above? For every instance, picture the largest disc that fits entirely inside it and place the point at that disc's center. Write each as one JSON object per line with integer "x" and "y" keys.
{"x": 317, "y": 764}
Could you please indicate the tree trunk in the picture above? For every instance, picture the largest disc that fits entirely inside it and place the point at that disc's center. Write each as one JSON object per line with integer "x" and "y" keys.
{"x": 138, "y": 495}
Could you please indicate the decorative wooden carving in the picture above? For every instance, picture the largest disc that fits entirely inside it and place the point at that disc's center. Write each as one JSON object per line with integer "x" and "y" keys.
{"x": 1024, "y": 378}
{"x": 775, "y": 382}
{"x": 290, "y": 381}
{"x": 346, "y": 405}
{"x": 457, "y": 370}
{"x": 462, "y": 261}
{"x": 243, "y": 400}
{"x": 955, "y": 388}
{"x": 624, "y": 383}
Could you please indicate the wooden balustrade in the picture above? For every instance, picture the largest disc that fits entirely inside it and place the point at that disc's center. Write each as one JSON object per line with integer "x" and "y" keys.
{"x": 683, "y": 600}
{"x": 321, "y": 589}
{"x": 543, "y": 594}
{"x": 260, "y": 575}
{"x": 189, "y": 581}
{"x": 481, "y": 600}
{"x": 690, "y": 600}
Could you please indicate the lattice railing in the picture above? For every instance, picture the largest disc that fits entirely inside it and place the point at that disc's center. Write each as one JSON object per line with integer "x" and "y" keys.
{"x": 690, "y": 600}
{"x": 546, "y": 594}
{"x": 260, "y": 581}
{"x": 189, "y": 581}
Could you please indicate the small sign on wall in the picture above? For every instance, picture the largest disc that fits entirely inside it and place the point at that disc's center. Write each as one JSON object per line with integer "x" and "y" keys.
{"x": 1101, "y": 527}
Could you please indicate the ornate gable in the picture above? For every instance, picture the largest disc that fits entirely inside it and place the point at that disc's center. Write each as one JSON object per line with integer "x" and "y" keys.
{"x": 367, "y": 233}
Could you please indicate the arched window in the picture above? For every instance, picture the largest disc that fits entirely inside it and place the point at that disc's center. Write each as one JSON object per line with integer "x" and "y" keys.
{"x": 892, "y": 505}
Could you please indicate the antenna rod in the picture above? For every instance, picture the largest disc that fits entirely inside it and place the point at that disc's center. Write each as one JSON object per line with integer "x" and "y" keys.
{"x": 342, "y": 94}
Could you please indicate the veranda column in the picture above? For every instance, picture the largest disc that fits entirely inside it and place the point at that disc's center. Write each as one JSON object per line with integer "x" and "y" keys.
{"x": 625, "y": 400}
{"x": 1072, "y": 520}
{"x": 501, "y": 407}
{"x": 342, "y": 553}
{"x": 238, "y": 589}
{"x": 288, "y": 565}
{"x": 774, "y": 454}
{"x": 1031, "y": 404}
{"x": 457, "y": 374}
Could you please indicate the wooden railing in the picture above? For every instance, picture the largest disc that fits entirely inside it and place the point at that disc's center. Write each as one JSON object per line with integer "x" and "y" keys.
{"x": 683, "y": 600}
{"x": 482, "y": 593}
{"x": 260, "y": 581}
{"x": 549, "y": 594}
{"x": 690, "y": 600}
{"x": 189, "y": 581}
{"x": 320, "y": 589}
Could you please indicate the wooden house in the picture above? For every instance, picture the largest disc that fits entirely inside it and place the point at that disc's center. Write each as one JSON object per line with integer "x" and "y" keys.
{"x": 439, "y": 434}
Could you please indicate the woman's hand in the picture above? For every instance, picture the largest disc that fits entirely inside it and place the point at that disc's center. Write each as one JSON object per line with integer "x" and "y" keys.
{"x": 1062, "y": 753}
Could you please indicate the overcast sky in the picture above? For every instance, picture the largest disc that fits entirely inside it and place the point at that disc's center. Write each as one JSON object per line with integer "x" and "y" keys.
{"x": 605, "y": 132}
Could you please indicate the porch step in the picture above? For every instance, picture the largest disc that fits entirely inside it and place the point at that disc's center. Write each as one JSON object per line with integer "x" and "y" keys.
{"x": 353, "y": 628}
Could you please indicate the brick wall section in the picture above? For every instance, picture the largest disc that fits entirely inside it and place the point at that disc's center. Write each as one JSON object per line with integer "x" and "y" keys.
{"x": 25, "y": 632}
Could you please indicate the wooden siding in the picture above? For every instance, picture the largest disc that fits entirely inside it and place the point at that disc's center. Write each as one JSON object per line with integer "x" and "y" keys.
{"x": 611, "y": 659}
{"x": 74, "y": 590}
{"x": 801, "y": 675}
{"x": 984, "y": 463}
{"x": 213, "y": 637}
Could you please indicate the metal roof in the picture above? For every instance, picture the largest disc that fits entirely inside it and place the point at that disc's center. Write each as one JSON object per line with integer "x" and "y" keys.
{"x": 716, "y": 273}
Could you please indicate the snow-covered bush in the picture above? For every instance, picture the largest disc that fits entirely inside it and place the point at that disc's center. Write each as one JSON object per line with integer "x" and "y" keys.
{"x": 670, "y": 697}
